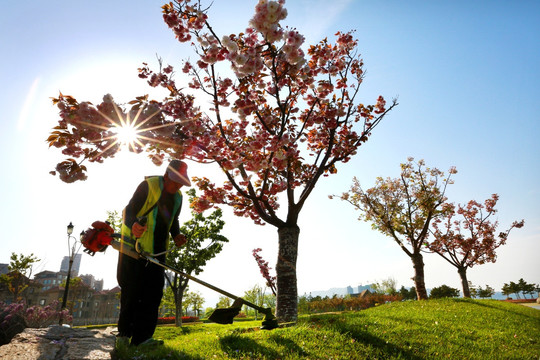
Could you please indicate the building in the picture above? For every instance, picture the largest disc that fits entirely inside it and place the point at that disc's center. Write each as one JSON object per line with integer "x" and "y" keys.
{"x": 4, "y": 268}
{"x": 87, "y": 301}
{"x": 50, "y": 279}
{"x": 86, "y": 305}
{"x": 74, "y": 267}
{"x": 98, "y": 285}
{"x": 91, "y": 281}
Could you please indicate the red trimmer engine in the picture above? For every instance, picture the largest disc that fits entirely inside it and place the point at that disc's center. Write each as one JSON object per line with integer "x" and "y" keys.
{"x": 97, "y": 238}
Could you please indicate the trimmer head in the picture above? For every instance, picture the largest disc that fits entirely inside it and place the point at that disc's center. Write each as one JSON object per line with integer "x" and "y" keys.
{"x": 270, "y": 322}
{"x": 226, "y": 316}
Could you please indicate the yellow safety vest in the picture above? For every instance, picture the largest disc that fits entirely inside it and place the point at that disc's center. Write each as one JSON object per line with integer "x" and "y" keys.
{"x": 146, "y": 242}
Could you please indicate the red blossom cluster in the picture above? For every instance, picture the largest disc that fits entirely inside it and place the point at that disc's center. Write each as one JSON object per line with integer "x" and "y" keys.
{"x": 183, "y": 19}
{"x": 172, "y": 319}
{"x": 265, "y": 270}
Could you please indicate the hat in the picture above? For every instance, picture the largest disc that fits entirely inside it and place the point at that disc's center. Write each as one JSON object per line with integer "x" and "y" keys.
{"x": 177, "y": 172}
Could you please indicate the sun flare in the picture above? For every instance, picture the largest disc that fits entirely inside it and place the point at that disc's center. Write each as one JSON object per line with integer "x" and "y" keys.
{"x": 126, "y": 135}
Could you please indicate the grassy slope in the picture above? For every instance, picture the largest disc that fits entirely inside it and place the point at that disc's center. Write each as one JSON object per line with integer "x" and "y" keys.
{"x": 434, "y": 329}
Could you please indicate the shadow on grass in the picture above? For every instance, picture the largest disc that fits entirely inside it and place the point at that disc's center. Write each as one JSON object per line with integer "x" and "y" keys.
{"x": 288, "y": 344}
{"x": 239, "y": 347}
{"x": 168, "y": 333}
{"x": 376, "y": 346}
{"x": 162, "y": 352}
{"x": 488, "y": 304}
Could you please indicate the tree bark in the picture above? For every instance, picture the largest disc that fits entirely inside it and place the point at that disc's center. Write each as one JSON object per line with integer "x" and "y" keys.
{"x": 462, "y": 271}
{"x": 287, "y": 291}
{"x": 178, "y": 299}
{"x": 419, "y": 283}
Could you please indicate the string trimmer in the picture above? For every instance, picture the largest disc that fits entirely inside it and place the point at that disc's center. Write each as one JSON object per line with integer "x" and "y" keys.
{"x": 101, "y": 235}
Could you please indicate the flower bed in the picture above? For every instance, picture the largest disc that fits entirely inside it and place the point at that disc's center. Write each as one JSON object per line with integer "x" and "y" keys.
{"x": 521, "y": 300}
{"x": 172, "y": 319}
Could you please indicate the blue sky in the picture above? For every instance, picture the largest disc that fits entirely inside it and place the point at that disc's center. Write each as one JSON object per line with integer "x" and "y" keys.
{"x": 466, "y": 74}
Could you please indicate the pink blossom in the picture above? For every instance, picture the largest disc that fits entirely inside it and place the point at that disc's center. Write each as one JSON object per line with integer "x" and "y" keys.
{"x": 266, "y": 19}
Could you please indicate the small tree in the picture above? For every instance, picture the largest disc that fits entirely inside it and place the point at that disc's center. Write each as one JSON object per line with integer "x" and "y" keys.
{"x": 443, "y": 291}
{"x": 487, "y": 292}
{"x": 530, "y": 289}
{"x": 20, "y": 270}
{"x": 507, "y": 290}
{"x": 466, "y": 237}
{"x": 254, "y": 295}
{"x": 403, "y": 209}
{"x": 168, "y": 304}
{"x": 525, "y": 288}
{"x": 473, "y": 290}
{"x": 195, "y": 300}
{"x": 204, "y": 243}
{"x": 407, "y": 294}
{"x": 208, "y": 312}
{"x": 78, "y": 292}
{"x": 387, "y": 286}
{"x": 512, "y": 288}
{"x": 224, "y": 302}
{"x": 303, "y": 304}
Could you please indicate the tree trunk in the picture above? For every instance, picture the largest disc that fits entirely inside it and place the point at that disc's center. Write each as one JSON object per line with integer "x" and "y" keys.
{"x": 419, "y": 283}
{"x": 287, "y": 291}
{"x": 178, "y": 308}
{"x": 462, "y": 271}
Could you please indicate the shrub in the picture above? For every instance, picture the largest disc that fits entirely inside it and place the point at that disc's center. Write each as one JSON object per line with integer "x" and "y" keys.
{"x": 38, "y": 317}
{"x": 166, "y": 320}
{"x": 11, "y": 322}
{"x": 443, "y": 291}
{"x": 14, "y": 318}
{"x": 187, "y": 319}
{"x": 338, "y": 303}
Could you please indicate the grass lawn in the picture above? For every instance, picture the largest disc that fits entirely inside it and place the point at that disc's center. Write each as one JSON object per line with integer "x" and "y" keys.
{"x": 433, "y": 329}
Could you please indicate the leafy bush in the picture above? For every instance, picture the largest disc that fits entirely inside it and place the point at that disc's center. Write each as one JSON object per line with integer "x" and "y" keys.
{"x": 338, "y": 303}
{"x": 35, "y": 316}
{"x": 409, "y": 294}
{"x": 15, "y": 317}
{"x": 38, "y": 317}
{"x": 11, "y": 322}
{"x": 443, "y": 291}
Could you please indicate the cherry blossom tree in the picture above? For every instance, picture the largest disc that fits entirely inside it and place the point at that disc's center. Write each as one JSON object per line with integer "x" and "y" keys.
{"x": 282, "y": 116}
{"x": 466, "y": 236}
{"x": 403, "y": 209}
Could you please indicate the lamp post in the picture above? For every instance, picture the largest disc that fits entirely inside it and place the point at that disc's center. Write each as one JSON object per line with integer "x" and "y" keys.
{"x": 72, "y": 250}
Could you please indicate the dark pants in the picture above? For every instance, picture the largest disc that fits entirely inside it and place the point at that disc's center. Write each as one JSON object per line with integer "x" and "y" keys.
{"x": 141, "y": 286}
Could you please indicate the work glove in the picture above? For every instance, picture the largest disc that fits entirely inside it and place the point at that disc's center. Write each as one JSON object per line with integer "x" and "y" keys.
{"x": 180, "y": 240}
{"x": 138, "y": 230}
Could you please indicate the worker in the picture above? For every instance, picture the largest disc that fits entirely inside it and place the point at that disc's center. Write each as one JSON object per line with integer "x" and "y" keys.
{"x": 148, "y": 219}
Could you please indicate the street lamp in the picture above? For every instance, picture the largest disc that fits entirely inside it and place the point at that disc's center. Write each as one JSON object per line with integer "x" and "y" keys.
{"x": 72, "y": 250}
